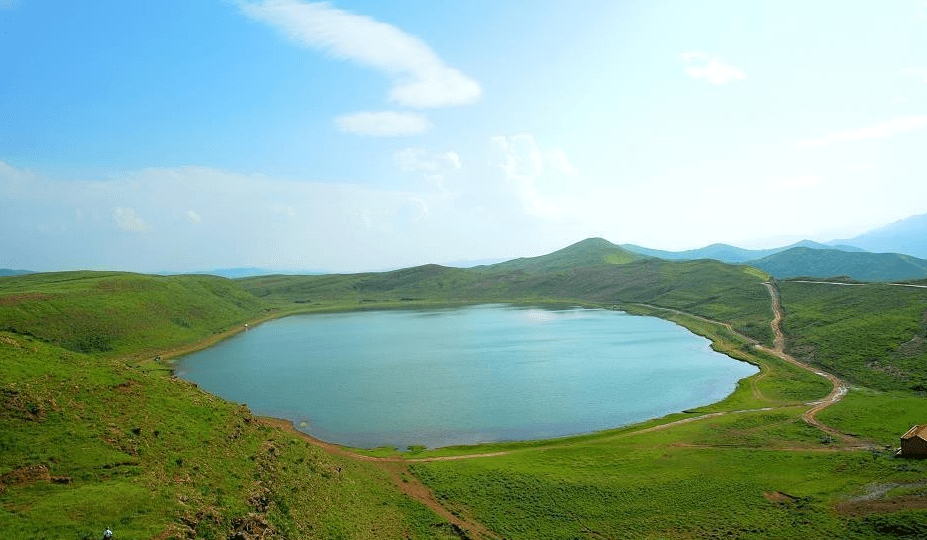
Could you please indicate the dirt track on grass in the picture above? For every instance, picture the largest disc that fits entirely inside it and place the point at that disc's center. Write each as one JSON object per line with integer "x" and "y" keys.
{"x": 839, "y": 387}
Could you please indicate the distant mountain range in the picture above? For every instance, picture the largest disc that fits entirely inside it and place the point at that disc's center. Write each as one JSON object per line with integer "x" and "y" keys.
{"x": 729, "y": 254}
{"x": 235, "y": 273}
{"x": 895, "y": 252}
{"x": 9, "y": 272}
{"x": 908, "y": 236}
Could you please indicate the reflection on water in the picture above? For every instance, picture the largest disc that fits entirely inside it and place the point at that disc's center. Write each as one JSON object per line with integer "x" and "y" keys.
{"x": 461, "y": 376}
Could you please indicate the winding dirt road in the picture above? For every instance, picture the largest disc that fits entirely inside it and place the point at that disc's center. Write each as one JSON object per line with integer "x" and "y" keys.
{"x": 839, "y": 387}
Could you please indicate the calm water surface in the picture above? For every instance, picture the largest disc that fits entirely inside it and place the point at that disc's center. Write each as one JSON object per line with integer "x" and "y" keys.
{"x": 462, "y": 376}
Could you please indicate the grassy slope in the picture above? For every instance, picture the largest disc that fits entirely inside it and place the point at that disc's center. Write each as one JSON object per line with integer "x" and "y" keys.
{"x": 608, "y": 276}
{"x": 120, "y": 313}
{"x": 712, "y": 477}
{"x": 872, "y": 335}
{"x": 861, "y": 266}
{"x": 124, "y": 445}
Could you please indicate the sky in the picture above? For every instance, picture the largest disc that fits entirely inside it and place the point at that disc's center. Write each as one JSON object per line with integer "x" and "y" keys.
{"x": 350, "y": 136}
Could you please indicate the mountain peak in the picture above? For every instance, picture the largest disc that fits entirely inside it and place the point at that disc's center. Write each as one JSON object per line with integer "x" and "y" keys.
{"x": 589, "y": 252}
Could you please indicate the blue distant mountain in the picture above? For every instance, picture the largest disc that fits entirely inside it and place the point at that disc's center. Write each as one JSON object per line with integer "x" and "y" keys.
{"x": 236, "y": 273}
{"x": 908, "y": 236}
{"x": 730, "y": 254}
{"x": 9, "y": 272}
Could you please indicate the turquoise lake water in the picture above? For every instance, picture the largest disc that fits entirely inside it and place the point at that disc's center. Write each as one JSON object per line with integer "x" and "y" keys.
{"x": 462, "y": 376}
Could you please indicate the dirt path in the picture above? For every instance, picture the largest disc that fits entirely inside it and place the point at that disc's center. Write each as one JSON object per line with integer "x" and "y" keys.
{"x": 839, "y": 387}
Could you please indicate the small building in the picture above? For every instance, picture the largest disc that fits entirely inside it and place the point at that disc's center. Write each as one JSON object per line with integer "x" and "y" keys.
{"x": 914, "y": 442}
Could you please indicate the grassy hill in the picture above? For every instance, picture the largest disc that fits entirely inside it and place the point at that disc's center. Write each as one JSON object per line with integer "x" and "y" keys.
{"x": 860, "y": 266}
{"x": 590, "y": 272}
{"x": 94, "y": 434}
{"x": 871, "y": 334}
{"x": 589, "y": 252}
{"x": 120, "y": 313}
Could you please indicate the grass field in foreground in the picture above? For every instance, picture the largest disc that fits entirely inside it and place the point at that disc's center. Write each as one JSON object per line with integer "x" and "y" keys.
{"x": 652, "y": 486}
{"x": 87, "y": 443}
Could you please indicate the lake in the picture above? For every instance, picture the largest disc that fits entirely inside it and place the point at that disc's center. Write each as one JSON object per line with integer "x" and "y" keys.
{"x": 466, "y": 375}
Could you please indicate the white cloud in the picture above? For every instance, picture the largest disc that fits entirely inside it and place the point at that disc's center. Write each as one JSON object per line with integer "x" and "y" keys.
{"x": 521, "y": 156}
{"x": 12, "y": 176}
{"x": 127, "y": 220}
{"x": 523, "y": 162}
{"x": 453, "y": 158}
{"x": 700, "y": 66}
{"x": 194, "y": 217}
{"x": 876, "y": 131}
{"x": 420, "y": 79}
{"x": 417, "y": 159}
{"x": 558, "y": 159}
{"x": 383, "y": 123}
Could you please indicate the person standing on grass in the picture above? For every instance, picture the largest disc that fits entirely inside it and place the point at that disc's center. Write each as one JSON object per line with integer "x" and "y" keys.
{"x": 107, "y": 534}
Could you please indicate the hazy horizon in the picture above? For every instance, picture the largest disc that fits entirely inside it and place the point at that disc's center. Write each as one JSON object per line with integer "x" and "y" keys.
{"x": 354, "y": 135}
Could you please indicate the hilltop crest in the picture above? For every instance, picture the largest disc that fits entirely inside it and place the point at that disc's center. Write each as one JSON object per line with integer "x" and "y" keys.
{"x": 588, "y": 252}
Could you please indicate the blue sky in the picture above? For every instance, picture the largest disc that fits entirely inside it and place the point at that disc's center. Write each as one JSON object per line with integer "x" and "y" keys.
{"x": 354, "y": 135}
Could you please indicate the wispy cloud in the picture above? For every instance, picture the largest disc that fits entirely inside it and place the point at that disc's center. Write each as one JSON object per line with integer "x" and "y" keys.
{"x": 417, "y": 159}
{"x": 700, "y": 65}
{"x": 881, "y": 130}
{"x": 383, "y": 123}
{"x": 127, "y": 220}
{"x": 419, "y": 78}
{"x": 558, "y": 159}
{"x": 522, "y": 161}
{"x": 194, "y": 217}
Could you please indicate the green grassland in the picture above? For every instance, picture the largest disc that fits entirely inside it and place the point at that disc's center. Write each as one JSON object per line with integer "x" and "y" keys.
{"x": 118, "y": 444}
{"x": 118, "y": 313}
{"x": 94, "y": 433}
{"x": 872, "y": 335}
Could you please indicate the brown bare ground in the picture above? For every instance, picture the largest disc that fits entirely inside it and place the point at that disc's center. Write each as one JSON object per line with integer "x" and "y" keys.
{"x": 881, "y": 506}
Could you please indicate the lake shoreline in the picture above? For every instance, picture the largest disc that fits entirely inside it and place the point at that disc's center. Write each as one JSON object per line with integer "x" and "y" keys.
{"x": 580, "y": 347}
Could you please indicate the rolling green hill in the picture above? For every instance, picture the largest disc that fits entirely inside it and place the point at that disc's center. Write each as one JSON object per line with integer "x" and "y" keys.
{"x": 825, "y": 263}
{"x": 120, "y": 313}
{"x": 592, "y": 272}
{"x": 589, "y": 252}
{"x": 870, "y": 334}
{"x": 94, "y": 433}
